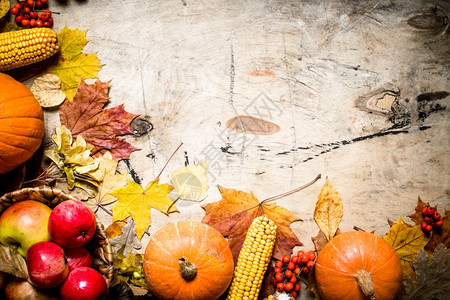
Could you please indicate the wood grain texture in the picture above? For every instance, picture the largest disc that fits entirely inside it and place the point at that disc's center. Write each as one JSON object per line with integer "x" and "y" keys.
{"x": 358, "y": 89}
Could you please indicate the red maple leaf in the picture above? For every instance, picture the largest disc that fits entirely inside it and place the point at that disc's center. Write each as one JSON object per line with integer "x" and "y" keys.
{"x": 234, "y": 213}
{"x": 85, "y": 115}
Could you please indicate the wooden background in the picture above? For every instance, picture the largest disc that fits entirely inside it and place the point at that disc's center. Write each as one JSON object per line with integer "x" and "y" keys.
{"x": 273, "y": 93}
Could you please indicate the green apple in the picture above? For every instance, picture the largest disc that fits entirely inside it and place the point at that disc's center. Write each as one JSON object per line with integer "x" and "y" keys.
{"x": 23, "y": 224}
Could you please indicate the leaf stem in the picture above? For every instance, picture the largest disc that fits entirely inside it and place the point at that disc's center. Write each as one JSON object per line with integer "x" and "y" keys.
{"x": 109, "y": 212}
{"x": 291, "y": 192}
{"x": 179, "y": 146}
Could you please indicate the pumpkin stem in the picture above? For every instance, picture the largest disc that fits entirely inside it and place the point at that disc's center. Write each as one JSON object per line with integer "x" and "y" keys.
{"x": 188, "y": 270}
{"x": 365, "y": 283}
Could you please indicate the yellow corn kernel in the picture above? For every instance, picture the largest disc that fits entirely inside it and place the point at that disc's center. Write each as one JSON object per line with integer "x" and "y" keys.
{"x": 27, "y": 46}
{"x": 253, "y": 259}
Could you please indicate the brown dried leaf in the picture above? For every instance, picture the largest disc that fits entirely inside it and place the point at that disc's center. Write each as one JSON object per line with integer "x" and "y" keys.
{"x": 329, "y": 210}
{"x": 47, "y": 90}
{"x": 441, "y": 235}
{"x": 127, "y": 240}
{"x": 320, "y": 240}
{"x": 12, "y": 262}
{"x": 115, "y": 229}
{"x": 432, "y": 276}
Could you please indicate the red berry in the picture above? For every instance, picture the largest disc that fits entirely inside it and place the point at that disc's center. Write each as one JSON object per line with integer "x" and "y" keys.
{"x": 33, "y": 15}
{"x": 297, "y": 271}
{"x": 297, "y": 287}
{"x": 25, "y": 22}
{"x": 19, "y": 19}
{"x": 293, "y": 279}
{"x": 44, "y": 1}
{"x": 39, "y": 3}
{"x": 300, "y": 253}
{"x": 305, "y": 270}
{"x": 280, "y": 286}
{"x": 46, "y": 24}
{"x": 427, "y": 219}
{"x": 430, "y": 211}
{"x": 45, "y": 15}
{"x": 23, "y": 3}
{"x": 291, "y": 266}
{"x": 288, "y": 274}
{"x": 18, "y": 6}
{"x": 279, "y": 264}
{"x": 294, "y": 259}
{"x": 310, "y": 264}
{"x": 285, "y": 259}
{"x": 437, "y": 216}
{"x": 439, "y": 223}
{"x": 14, "y": 11}
{"x": 33, "y": 23}
{"x": 424, "y": 226}
{"x": 279, "y": 277}
{"x": 39, "y": 23}
{"x": 304, "y": 258}
{"x": 424, "y": 210}
{"x": 30, "y": 3}
{"x": 311, "y": 255}
{"x": 294, "y": 294}
{"x": 289, "y": 286}
{"x": 26, "y": 10}
{"x": 277, "y": 270}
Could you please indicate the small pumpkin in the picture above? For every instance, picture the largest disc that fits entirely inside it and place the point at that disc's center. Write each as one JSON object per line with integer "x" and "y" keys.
{"x": 21, "y": 124}
{"x": 358, "y": 265}
{"x": 188, "y": 260}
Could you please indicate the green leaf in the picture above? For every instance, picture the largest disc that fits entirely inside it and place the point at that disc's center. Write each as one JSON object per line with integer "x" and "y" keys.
{"x": 432, "y": 275}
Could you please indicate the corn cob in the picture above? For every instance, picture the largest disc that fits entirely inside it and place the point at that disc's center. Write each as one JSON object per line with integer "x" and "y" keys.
{"x": 253, "y": 259}
{"x": 27, "y": 46}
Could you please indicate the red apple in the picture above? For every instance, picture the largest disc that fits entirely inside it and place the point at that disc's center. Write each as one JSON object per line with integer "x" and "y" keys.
{"x": 23, "y": 224}
{"x": 78, "y": 257}
{"x": 20, "y": 289}
{"x": 46, "y": 264}
{"x": 71, "y": 224}
{"x": 84, "y": 283}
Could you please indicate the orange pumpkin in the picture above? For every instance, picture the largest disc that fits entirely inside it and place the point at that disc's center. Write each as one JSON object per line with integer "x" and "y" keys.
{"x": 358, "y": 265}
{"x": 21, "y": 124}
{"x": 188, "y": 260}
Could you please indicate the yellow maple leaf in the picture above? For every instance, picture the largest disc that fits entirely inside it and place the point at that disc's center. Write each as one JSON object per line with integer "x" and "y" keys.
{"x": 406, "y": 240}
{"x": 329, "y": 210}
{"x": 190, "y": 182}
{"x": 137, "y": 202}
{"x": 109, "y": 179}
{"x": 73, "y": 64}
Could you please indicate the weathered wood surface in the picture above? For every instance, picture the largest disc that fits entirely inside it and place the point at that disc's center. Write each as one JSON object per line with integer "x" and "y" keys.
{"x": 354, "y": 90}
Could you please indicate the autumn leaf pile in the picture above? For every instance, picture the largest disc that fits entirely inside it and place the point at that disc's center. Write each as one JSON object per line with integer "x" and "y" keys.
{"x": 90, "y": 143}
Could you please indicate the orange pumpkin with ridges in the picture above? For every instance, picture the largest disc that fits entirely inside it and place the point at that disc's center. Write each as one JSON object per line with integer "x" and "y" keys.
{"x": 188, "y": 260}
{"x": 21, "y": 124}
{"x": 358, "y": 265}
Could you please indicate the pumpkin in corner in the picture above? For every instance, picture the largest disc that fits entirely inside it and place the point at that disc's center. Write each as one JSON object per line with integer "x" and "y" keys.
{"x": 21, "y": 124}
{"x": 358, "y": 265}
{"x": 188, "y": 260}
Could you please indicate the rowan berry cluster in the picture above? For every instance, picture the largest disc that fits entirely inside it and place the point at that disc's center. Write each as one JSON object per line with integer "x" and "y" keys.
{"x": 27, "y": 14}
{"x": 432, "y": 219}
{"x": 289, "y": 268}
